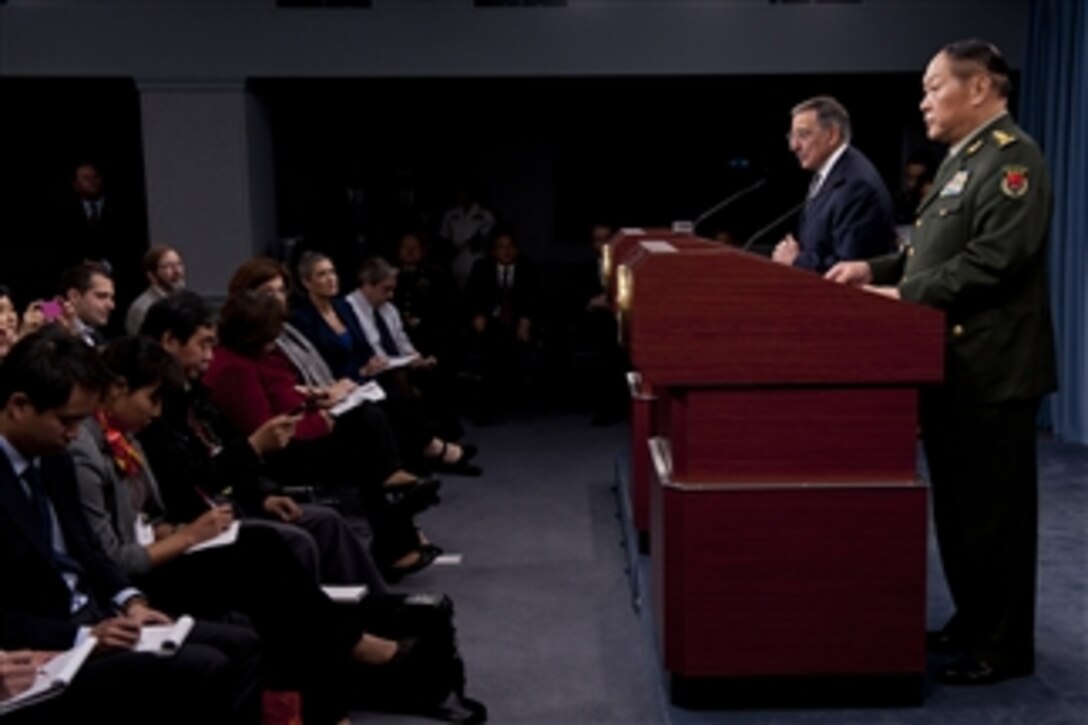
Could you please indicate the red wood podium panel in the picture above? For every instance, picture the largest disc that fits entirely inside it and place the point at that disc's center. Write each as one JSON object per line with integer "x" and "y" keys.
{"x": 788, "y": 527}
{"x": 790, "y": 580}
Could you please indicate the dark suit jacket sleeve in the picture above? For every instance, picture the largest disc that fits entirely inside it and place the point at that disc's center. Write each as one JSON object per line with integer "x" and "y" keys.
{"x": 480, "y": 290}
{"x": 179, "y": 463}
{"x": 861, "y": 224}
{"x": 859, "y": 227}
{"x": 33, "y": 600}
{"x": 529, "y": 290}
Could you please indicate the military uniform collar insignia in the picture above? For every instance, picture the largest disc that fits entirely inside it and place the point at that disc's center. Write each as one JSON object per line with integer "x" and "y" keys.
{"x": 1003, "y": 138}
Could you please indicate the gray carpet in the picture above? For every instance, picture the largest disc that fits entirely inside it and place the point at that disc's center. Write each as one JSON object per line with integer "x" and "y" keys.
{"x": 543, "y": 606}
{"x": 545, "y": 612}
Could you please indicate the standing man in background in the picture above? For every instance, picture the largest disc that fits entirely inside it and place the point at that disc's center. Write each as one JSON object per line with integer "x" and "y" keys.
{"x": 849, "y": 213}
{"x": 978, "y": 254}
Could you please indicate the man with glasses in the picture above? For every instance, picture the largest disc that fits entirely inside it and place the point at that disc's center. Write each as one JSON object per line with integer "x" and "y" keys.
{"x": 849, "y": 213}
{"x": 165, "y": 274}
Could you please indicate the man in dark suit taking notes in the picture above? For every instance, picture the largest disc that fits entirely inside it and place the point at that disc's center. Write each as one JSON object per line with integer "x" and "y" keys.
{"x": 60, "y": 586}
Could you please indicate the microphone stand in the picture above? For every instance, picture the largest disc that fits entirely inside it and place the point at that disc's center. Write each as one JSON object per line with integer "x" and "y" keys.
{"x": 778, "y": 220}
{"x": 726, "y": 202}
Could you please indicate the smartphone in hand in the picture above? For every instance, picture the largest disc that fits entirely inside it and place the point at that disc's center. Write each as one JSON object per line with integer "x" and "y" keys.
{"x": 308, "y": 405}
{"x": 51, "y": 310}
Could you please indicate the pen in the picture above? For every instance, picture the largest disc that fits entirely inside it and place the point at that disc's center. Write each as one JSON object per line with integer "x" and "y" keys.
{"x": 207, "y": 499}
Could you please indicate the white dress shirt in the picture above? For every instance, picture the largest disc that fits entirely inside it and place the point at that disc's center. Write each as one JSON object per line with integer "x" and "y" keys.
{"x": 364, "y": 313}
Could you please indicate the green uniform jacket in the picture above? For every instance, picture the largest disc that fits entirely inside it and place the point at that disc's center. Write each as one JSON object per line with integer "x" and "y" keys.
{"x": 978, "y": 253}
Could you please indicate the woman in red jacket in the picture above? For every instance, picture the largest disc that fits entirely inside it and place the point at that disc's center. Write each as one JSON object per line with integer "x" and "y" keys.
{"x": 251, "y": 381}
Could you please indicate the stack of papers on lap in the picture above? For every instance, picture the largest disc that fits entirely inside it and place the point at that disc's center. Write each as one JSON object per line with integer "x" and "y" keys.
{"x": 371, "y": 391}
{"x": 164, "y": 639}
{"x": 53, "y": 677}
{"x": 345, "y": 594}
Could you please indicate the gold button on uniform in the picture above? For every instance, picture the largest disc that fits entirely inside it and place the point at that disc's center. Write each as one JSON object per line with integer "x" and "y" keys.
{"x": 943, "y": 212}
{"x": 910, "y": 251}
{"x": 957, "y": 330}
{"x": 918, "y": 223}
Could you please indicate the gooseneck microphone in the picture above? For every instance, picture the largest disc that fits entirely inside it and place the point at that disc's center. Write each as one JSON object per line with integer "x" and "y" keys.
{"x": 770, "y": 227}
{"x": 727, "y": 201}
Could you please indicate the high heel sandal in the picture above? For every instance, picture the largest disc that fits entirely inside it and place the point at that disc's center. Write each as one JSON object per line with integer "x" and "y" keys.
{"x": 427, "y": 554}
{"x": 462, "y": 466}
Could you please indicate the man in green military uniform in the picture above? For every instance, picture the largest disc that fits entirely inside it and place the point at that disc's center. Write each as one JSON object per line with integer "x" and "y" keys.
{"x": 978, "y": 255}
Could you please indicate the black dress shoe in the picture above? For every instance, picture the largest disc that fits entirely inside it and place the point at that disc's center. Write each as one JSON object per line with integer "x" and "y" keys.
{"x": 413, "y": 498}
{"x": 945, "y": 642}
{"x": 982, "y": 670}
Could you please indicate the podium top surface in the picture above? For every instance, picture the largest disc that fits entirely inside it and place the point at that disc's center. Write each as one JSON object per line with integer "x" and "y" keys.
{"x": 703, "y": 314}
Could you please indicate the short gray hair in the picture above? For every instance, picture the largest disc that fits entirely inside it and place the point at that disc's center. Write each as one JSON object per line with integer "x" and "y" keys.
{"x": 376, "y": 270}
{"x": 307, "y": 262}
{"x": 829, "y": 113}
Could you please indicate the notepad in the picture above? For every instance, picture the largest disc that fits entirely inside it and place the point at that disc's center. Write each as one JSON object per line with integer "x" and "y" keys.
{"x": 228, "y": 537}
{"x": 345, "y": 594}
{"x": 164, "y": 639}
{"x": 371, "y": 392}
{"x": 400, "y": 361}
{"x": 52, "y": 677}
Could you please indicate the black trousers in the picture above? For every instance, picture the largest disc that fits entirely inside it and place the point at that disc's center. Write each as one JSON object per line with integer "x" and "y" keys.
{"x": 306, "y": 638}
{"x": 983, "y": 470}
{"x": 211, "y": 680}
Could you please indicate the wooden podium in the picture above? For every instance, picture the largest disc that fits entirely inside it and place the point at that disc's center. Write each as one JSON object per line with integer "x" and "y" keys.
{"x": 620, "y": 256}
{"x": 786, "y": 519}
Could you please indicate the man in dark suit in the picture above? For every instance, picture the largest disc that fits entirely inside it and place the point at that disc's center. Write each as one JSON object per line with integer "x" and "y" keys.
{"x": 95, "y": 224}
{"x": 61, "y": 587}
{"x": 88, "y": 288}
{"x": 978, "y": 253}
{"x": 849, "y": 213}
{"x": 503, "y": 297}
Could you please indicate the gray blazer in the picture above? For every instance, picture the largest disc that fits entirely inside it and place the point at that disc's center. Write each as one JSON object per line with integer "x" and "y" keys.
{"x": 107, "y": 498}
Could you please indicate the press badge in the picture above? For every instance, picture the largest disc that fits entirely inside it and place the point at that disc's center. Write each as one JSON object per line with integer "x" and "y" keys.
{"x": 955, "y": 185}
{"x": 145, "y": 533}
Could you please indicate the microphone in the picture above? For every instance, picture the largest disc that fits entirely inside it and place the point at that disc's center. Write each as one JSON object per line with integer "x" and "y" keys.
{"x": 770, "y": 227}
{"x": 726, "y": 202}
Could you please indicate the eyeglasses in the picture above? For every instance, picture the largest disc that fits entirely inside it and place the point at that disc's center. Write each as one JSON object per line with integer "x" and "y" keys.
{"x": 801, "y": 134}
{"x": 171, "y": 265}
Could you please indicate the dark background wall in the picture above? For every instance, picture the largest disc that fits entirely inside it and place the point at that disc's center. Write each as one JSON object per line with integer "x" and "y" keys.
{"x": 641, "y": 112}
{"x": 638, "y": 151}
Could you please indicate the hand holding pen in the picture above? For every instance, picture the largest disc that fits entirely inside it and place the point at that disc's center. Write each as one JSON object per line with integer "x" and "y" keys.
{"x": 211, "y": 523}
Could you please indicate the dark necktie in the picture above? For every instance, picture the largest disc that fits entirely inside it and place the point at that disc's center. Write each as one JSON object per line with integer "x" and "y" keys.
{"x": 72, "y": 568}
{"x": 506, "y": 302}
{"x": 33, "y": 479}
{"x": 385, "y": 337}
